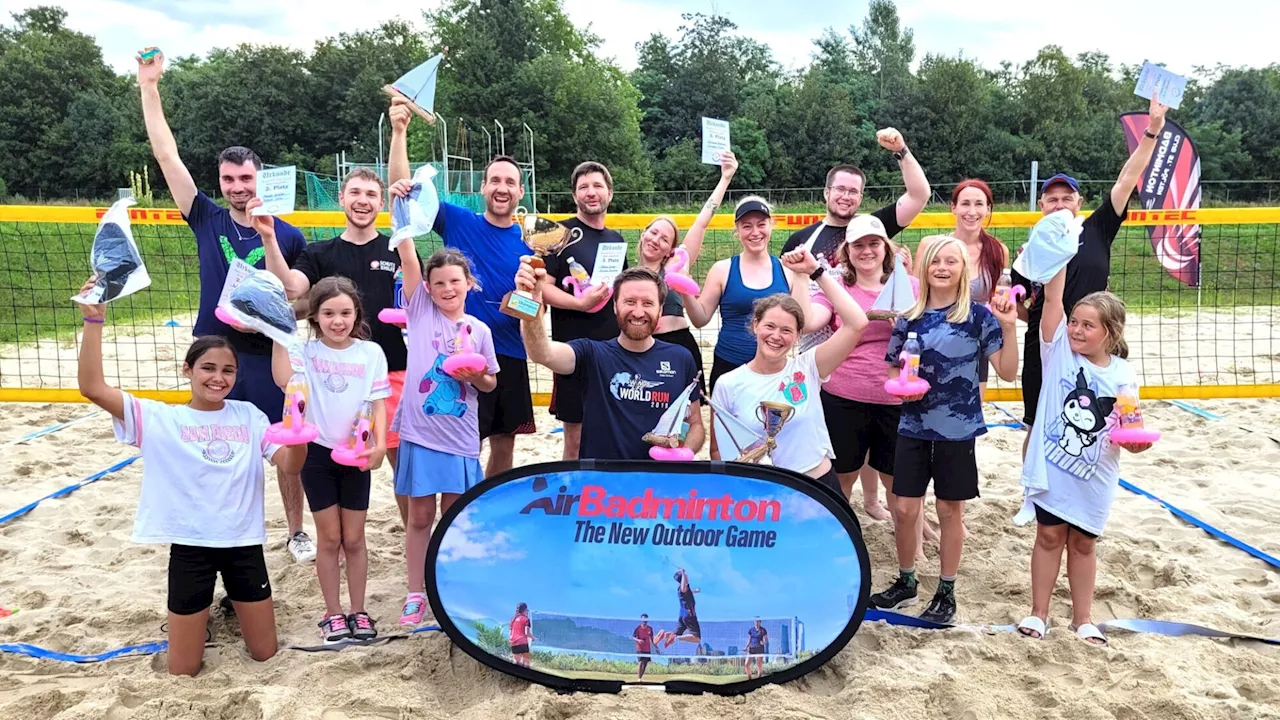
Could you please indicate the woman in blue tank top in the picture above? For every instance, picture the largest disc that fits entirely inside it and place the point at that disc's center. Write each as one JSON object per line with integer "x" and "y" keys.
{"x": 733, "y": 285}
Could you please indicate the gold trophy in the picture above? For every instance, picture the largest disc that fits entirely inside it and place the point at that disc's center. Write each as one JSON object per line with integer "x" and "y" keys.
{"x": 773, "y": 415}
{"x": 543, "y": 237}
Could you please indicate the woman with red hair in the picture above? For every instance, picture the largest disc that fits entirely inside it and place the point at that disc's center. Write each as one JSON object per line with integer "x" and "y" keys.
{"x": 972, "y": 203}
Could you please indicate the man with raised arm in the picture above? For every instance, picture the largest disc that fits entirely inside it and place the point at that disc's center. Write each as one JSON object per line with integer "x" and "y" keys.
{"x": 1090, "y": 270}
{"x": 628, "y": 381}
{"x": 222, "y": 236}
{"x": 493, "y": 244}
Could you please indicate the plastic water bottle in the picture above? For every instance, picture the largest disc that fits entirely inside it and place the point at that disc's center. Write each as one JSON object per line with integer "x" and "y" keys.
{"x": 912, "y": 352}
{"x": 399, "y": 290}
{"x": 1005, "y": 282}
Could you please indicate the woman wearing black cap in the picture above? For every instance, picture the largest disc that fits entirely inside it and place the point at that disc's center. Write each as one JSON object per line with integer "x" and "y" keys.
{"x": 733, "y": 285}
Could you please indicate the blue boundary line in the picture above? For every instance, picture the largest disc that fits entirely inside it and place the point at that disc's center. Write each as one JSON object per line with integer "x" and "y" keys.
{"x": 1181, "y": 405}
{"x": 52, "y": 428}
{"x": 69, "y": 489}
{"x": 1192, "y": 519}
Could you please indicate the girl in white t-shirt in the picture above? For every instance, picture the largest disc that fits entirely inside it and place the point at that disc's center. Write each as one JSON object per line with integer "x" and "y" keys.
{"x": 773, "y": 376}
{"x": 1072, "y": 467}
{"x": 344, "y": 371}
{"x": 202, "y": 490}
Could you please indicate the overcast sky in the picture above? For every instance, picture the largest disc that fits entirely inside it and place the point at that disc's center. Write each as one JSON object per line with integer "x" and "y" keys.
{"x": 1179, "y": 33}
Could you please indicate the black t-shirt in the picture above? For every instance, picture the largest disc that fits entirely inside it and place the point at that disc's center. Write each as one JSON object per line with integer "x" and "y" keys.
{"x": 1087, "y": 272}
{"x": 372, "y": 267}
{"x": 569, "y": 325}
{"x": 830, "y": 236}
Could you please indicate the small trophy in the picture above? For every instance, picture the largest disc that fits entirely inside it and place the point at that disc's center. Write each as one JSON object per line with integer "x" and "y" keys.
{"x": 543, "y": 237}
{"x": 773, "y": 415}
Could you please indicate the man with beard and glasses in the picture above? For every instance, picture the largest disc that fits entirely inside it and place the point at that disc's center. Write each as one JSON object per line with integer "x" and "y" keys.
{"x": 222, "y": 236}
{"x": 360, "y": 254}
{"x": 628, "y": 381}
{"x": 571, "y": 317}
{"x": 493, "y": 244}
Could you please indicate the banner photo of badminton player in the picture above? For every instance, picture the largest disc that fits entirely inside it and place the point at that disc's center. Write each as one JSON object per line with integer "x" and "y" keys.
{"x": 588, "y": 576}
{"x": 1170, "y": 182}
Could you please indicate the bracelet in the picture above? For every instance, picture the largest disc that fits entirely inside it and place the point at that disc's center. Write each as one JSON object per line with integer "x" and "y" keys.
{"x": 1149, "y": 134}
{"x": 817, "y": 273}
{"x": 96, "y": 321}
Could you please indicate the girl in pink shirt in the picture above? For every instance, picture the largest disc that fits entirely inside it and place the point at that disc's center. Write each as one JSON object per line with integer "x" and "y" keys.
{"x": 521, "y": 635}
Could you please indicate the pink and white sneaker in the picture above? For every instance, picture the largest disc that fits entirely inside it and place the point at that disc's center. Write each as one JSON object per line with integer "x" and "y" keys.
{"x": 415, "y": 606}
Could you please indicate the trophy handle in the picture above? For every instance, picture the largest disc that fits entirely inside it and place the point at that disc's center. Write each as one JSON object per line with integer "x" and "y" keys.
{"x": 575, "y": 234}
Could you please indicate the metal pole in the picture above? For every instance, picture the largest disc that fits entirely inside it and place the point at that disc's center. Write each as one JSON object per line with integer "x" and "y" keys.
{"x": 1032, "y": 194}
{"x": 488, "y": 143}
{"x": 533, "y": 170}
{"x": 502, "y": 137}
{"x": 381, "y": 118}
{"x": 444, "y": 143}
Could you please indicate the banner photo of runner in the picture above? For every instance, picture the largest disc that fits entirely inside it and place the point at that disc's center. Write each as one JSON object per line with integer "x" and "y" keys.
{"x": 591, "y": 575}
{"x": 1170, "y": 182}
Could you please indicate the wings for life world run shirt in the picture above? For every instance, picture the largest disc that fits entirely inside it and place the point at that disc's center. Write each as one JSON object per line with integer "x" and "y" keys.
{"x": 372, "y": 267}
{"x": 569, "y": 325}
{"x": 1070, "y": 450}
{"x": 219, "y": 241}
{"x": 626, "y": 394}
{"x": 827, "y": 242}
{"x": 951, "y": 352}
{"x": 436, "y": 411}
{"x": 340, "y": 381}
{"x": 1087, "y": 272}
{"x": 494, "y": 253}
{"x": 202, "y": 475}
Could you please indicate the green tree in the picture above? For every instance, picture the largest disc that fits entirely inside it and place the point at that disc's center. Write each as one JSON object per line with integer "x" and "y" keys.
{"x": 883, "y": 49}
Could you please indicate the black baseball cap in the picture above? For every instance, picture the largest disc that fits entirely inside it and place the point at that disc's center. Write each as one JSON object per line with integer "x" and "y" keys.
{"x": 1060, "y": 178}
{"x": 751, "y": 206}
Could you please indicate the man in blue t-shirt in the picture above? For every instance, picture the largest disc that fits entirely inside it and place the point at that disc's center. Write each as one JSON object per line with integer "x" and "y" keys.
{"x": 493, "y": 244}
{"x": 222, "y": 236}
{"x": 629, "y": 381}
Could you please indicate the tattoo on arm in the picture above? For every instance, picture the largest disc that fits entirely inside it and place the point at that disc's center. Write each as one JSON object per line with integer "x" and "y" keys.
{"x": 710, "y": 205}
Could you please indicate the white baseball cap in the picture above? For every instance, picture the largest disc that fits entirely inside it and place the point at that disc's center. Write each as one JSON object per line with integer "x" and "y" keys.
{"x": 864, "y": 226}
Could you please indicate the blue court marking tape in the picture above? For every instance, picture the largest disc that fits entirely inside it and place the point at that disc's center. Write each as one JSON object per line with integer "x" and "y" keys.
{"x": 39, "y": 653}
{"x": 1215, "y": 532}
{"x": 557, "y": 430}
{"x": 1010, "y": 415}
{"x": 1177, "y": 629}
{"x": 902, "y": 620}
{"x": 69, "y": 489}
{"x": 1181, "y": 405}
{"x": 52, "y": 428}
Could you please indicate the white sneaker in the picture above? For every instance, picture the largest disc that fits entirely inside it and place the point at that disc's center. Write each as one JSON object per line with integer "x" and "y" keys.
{"x": 302, "y": 548}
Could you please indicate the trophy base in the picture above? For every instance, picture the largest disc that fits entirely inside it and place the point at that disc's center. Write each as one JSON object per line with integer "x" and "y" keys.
{"x": 521, "y": 305}
{"x": 887, "y": 315}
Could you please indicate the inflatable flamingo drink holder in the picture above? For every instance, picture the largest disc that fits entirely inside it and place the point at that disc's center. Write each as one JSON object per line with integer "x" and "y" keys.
{"x": 225, "y": 317}
{"x": 396, "y": 315}
{"x": 668, "y": 454}
{"x": 580, "y": 281}
{"x": 908, "y": 383}
{"x": 675, "y": 275}
{"x": 293, "y": 429}
{"x": 1131, "y": 430}
{"x": 361, "y": 436}
{"x": 464, "y": 358}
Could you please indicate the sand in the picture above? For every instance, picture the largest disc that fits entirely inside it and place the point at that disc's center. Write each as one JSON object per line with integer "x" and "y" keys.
{"x": 80, "y": 586}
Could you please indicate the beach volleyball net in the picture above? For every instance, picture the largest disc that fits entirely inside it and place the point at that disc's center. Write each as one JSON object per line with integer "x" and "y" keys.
{"x": 610, "y": 637}
{"x": 1220, "y": 339}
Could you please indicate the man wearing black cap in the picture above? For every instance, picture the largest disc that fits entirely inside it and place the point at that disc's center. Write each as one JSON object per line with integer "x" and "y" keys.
{"x": 1090, "y": 270}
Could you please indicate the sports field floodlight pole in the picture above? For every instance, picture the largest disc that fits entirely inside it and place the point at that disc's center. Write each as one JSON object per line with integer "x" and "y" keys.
{"x": 488, "y": 144}
{"x": 1035, "y": 172}
{"x": 502, "y": 137}
{"x": 533, "y": 169}
{"x": 381, "y": 118}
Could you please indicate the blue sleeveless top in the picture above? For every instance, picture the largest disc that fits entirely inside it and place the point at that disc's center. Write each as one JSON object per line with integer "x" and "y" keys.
{"x": 735, "y": 343}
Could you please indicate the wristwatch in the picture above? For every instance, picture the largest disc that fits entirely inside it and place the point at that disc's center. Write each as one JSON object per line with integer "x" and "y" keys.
{"x": 817, "y": 273}
{"x": 1149, "y": 134}
{"x": 905, "y": 151}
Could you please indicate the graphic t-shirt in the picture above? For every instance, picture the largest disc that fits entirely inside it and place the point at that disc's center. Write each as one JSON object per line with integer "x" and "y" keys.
{"x": 804, "y": 441}
{"x": 340, "y": 381}
{"x": 757, "y": 637}
{"x": 644, "y": 638}
{"x": 219, "y": 241}
{"x": 951, "y": 353}
{"x": 494, "y": 253}
{"x": 1087, "y": 272}
{"x": 861, "y": 376}
{"x": 1070, "y": 448}
{"x": 202, "y": 476}
{"x": 626, "y": 394}
{"x": 826, "y": 241}
{"x": 372, "y": 267}
{"x": 436, "y": 411}
{"x": 569, "y": 325}
{"x": 520, "y": 630}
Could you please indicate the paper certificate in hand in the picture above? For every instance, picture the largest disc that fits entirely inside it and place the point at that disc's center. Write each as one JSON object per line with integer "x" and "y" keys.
{"x": 715, "y": 139}
{"x": 278, "y": 189}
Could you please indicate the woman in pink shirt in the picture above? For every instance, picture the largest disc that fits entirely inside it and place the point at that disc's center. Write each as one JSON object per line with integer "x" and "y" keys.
{"x": 862, "y": 419}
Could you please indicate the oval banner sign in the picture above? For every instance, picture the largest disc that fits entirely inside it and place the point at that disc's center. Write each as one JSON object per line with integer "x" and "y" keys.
{"x": 698, "y": 576}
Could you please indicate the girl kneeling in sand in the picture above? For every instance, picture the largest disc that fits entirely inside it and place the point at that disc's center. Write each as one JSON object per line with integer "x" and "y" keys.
{"x": 344, "y": 372}
{"x": 1072, "y": 466}
{"x": 438, "y": 419}
{"x": 202, "y": 490}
